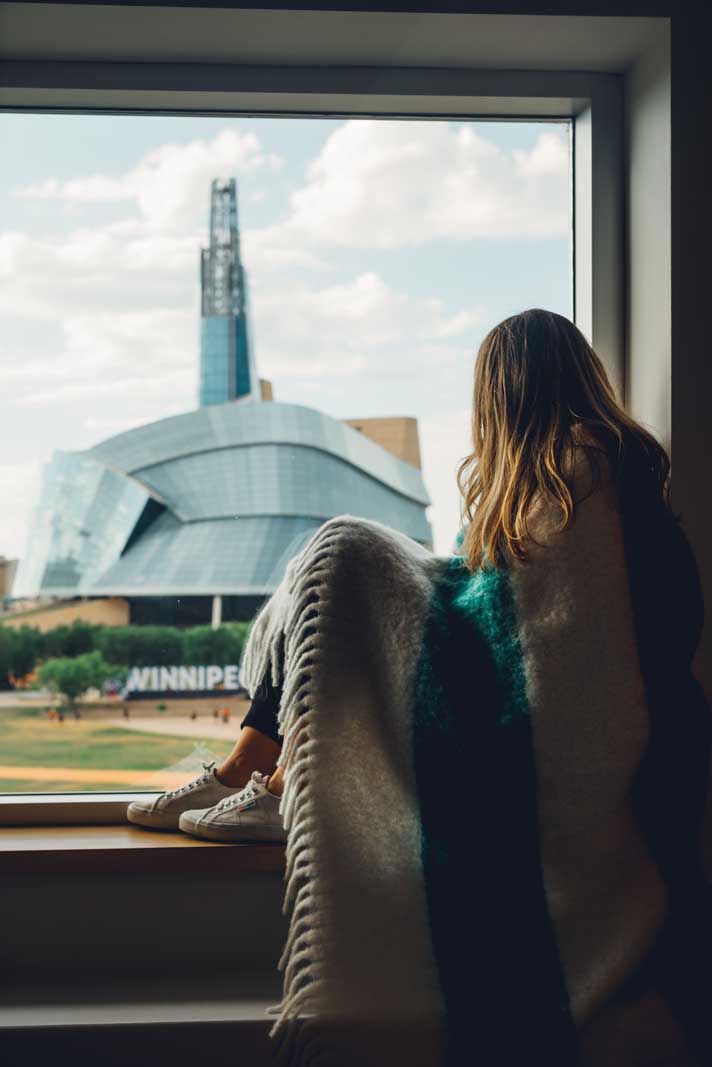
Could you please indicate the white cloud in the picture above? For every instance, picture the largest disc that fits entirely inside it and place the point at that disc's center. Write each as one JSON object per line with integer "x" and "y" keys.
{"x": 146, "y": 260}
{"x": 113, "y": 268}
{"x": 109, "y": 373}
{"x": 444, "y": 442}
{"x": 95, "y": 340}
{"x": 269, "y": 250}
{"x": 168, "y": 184}
{"x": 102, "y": 426}
{"x": 392, "y": 184}
{"x": 459, "y": 323}
{"x": 374, "y": 183}
{"x": 350, "y": 327}
{"x": 160, "y": 338}
{"x": 19, "y": 483}
{"x": 93, "y": 189}
{"x": 548, "y": 158}
{"x": 120, "y": 390}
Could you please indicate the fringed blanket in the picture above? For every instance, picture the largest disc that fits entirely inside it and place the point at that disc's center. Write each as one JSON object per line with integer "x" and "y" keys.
{"x": 466, "y": 880}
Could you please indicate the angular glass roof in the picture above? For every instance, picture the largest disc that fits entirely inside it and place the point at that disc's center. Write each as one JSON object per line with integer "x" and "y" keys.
{"x": 243, "y": 556}
{"x": 214, "y": 501}
{"x": 253, "y": 423}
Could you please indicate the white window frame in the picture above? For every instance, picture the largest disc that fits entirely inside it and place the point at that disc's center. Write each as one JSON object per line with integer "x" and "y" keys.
{"x": 592, "y": 102}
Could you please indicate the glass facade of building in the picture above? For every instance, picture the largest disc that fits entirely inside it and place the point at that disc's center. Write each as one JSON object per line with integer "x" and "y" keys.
{"x": 84, "y": 518}
{"x": 227, "y": 370}
{"x": 214, "y": 501}
{"x": 235, "y": 425}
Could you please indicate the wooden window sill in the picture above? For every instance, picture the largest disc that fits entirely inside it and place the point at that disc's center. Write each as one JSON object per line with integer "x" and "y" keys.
{"x": 124, "y": 849}
{"x": 123, "y": 1002}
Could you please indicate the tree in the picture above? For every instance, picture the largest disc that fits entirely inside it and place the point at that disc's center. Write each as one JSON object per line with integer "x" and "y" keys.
{"x": 73, "y": 676}
{"x": 26, "y": 650}
{"x": 6, "y": 649}
{"x": 19, "y": 652}
{"x": 98, "y": 670}
{"x": 69, "y": 677}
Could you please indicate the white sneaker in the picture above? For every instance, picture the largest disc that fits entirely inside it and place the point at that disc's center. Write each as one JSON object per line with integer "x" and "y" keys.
{"x": 162, "y": 812}
{"x": 250, "y": 815}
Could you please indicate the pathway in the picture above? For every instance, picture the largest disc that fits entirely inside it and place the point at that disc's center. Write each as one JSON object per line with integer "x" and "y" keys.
{"x": 135, "y": 779}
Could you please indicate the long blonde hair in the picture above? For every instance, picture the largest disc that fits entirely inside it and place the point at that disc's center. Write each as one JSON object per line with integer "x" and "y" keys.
{"x": 539, "y": 391}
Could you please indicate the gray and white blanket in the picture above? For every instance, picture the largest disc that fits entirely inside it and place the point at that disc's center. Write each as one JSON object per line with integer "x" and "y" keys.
{"x": 467, "y": 881}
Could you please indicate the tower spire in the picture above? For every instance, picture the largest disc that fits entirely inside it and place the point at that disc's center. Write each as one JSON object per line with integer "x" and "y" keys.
{"x": 227, "y": 369}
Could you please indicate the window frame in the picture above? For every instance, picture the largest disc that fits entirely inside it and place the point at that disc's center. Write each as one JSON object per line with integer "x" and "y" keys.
{"x": 592, "y": 102}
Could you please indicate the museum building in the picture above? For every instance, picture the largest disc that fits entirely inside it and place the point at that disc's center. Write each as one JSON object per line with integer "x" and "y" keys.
{"x": 193, "y": 518}
{"x": 213, "y": 502}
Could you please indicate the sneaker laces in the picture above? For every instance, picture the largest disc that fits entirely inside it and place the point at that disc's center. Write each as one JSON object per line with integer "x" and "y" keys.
{"x": 202, "y": 779}
{"x": 248, "y": 792}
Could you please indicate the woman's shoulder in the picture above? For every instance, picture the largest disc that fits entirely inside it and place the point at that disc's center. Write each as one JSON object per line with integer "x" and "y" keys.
{"x": 588, "y": 464}
{"x": 590, "y": 480}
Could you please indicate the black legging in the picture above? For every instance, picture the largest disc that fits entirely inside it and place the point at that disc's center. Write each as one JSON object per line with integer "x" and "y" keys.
{"x": 263, "y": 711}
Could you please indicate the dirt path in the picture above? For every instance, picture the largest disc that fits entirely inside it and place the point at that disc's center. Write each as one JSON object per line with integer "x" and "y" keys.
{"x": 139, "y": 779}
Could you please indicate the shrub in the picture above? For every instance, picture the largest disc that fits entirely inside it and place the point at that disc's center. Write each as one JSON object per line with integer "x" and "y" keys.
{"x": 142, "y": 646}
{"x": 138, "y": 646}
{"x": 202, "y": 644}
{"x": 66, "y": 641}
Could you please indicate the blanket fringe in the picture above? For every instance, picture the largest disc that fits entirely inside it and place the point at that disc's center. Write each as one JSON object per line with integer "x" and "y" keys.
{"x": 299, "y": 1040}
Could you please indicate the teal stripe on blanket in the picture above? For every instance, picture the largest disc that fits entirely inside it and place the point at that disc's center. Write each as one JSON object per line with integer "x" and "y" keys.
{"x": 493, "y": 940}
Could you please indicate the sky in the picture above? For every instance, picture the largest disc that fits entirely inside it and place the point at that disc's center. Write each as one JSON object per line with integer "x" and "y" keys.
{"x": 378, "y": 253}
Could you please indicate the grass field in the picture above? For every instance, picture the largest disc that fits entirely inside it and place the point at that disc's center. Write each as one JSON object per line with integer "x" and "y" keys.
{"x": 38, "y": 755}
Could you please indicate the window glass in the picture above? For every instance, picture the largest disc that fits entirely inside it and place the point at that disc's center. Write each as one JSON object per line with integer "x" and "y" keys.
{"x": 215, "y": 335}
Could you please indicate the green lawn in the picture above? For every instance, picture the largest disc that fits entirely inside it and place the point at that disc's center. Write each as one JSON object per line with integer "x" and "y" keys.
{"x": 28, "y": 738}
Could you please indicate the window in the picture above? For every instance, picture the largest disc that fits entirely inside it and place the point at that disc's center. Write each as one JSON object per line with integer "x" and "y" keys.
{"x": 157, "y": 269}
{"x": 587, "y": 108}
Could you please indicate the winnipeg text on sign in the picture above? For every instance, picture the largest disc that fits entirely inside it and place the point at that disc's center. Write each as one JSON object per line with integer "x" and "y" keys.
{"x": 182, "y": 679}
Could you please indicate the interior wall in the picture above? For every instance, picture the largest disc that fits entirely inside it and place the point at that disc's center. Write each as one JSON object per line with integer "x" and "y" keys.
{"x": 668, "y": 237}
{"x": 691, "y": 295}
{"x": 648, "y": 244}
{"x": 98, "y": 927}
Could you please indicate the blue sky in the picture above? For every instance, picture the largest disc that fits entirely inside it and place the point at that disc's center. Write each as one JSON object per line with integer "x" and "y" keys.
{"x": 378, "y": 254}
